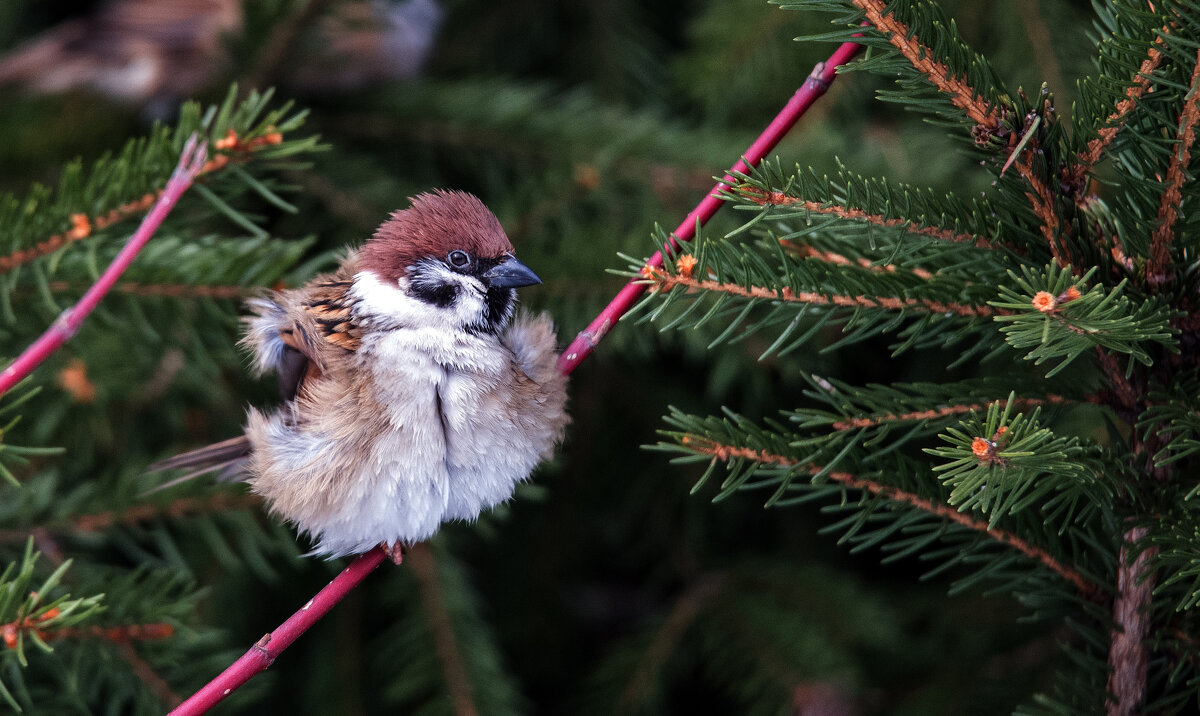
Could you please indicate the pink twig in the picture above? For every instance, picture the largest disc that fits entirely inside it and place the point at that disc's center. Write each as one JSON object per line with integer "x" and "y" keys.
{"x": 191, "y": 162}
{"x": 262, "y": 654}
{"x": 815, "y": 86}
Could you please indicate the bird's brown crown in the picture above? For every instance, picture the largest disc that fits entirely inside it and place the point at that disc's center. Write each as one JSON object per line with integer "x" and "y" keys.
{"x": 436, "y": 224}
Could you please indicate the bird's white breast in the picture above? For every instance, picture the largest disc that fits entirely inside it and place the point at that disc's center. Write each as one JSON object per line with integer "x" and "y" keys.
{"x": 453, "y": 446}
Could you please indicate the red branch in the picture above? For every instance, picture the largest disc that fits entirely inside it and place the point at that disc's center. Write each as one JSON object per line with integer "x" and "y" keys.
{"x": 817, "y": 83}
{"x": 191, "y": 163}
{"x": 262, "y": 654}
{"x": 268, "y": 648}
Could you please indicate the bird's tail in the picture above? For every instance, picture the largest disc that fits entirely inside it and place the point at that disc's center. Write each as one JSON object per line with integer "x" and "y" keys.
{"x": 227, "y": 458}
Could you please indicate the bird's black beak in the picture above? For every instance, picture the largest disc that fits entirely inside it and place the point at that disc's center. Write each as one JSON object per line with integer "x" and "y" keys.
{"x": 510, "y": 273}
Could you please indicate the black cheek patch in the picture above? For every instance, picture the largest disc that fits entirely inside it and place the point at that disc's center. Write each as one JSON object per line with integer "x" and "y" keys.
{"x": 437, "y": 294}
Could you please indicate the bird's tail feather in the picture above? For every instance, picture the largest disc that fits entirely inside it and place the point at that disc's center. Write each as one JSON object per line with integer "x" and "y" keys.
{"x": 228, "y": 456}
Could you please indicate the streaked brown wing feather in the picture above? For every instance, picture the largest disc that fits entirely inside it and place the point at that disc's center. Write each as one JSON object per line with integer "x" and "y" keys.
{"x": 329, "y": 304}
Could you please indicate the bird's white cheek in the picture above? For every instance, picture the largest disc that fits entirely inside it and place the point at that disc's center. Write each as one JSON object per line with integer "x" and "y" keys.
{"x": 391, "y": 302}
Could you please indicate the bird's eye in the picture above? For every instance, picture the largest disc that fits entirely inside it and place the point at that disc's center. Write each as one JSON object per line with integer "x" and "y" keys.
{"x": 458, "y": 259}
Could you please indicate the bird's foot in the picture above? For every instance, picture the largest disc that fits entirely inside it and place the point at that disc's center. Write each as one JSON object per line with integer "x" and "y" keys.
{"x": 395, "y": 552}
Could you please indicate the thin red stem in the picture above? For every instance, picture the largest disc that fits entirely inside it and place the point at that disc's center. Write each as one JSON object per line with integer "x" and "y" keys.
{"x": 191, "y": 163}
{"x": 262, "y": 654}
{"x": 815, "y": 86}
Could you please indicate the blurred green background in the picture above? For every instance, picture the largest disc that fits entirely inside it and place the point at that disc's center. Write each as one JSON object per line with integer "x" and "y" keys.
{"x": 605, "y": 587}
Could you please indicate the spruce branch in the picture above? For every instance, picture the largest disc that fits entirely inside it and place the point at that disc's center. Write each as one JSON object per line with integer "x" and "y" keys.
{"x": 1160, "y": 270}
{"x": 82, "y": 227}
{"x": 762, "y": 197}
{"x": 806, "y": 251}
{"x": 1004, "y": 463}
{"x": 144, "y": 671}
{"x": 191, "y": 163}
{"x": 1094, "y": 152}
{"x": 989, "y": 120}
{"x": 176, "y": 509}
{"x": 165, "y": 290}
{"x": 944, "y": 412}
{"x": 704, "y": 446}
{"x": 659, "y": 281}
{"x": 16, "y": 454}
{"x": 683, "y": 614}
{"x": 120, "y": 187}
{"x": 756, "y": 287}
{"x": 1043, "y": 203}
{"x": 27, "y": 612}
{"x": 1060, "y": 316}
{"x": 937, "y": 73}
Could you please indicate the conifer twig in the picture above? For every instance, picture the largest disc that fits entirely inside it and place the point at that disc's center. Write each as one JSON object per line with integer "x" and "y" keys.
{"x": 815, "y": 86}
{"x": 263, "y": 653}
{"x": 812, "y": 253}
{"x": 666, "y": 639}
{"x": 724, "y": 453}
{"x": 665, "y": 281}
{"x": 943, "y": 412}
{"x": 191, "y": 163}
{"x": 1116, "y": 120}
{"x": 1159, "y": 270}
{"x": 961, "y": 94}
{"x": 81, "y": 228}
{"x": 778, "y": 198}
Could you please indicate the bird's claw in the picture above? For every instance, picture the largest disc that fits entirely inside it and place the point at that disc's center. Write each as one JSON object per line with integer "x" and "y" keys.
{"x": 395, "y": 552}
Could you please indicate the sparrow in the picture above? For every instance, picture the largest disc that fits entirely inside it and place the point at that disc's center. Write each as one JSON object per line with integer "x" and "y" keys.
{"x": 411, "y": 394}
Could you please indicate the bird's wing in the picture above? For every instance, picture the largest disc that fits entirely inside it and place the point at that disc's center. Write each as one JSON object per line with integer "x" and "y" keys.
{"x": 329, "y": 304}
{"x": 295, "y": 334}
{"x": 323, "y": 325}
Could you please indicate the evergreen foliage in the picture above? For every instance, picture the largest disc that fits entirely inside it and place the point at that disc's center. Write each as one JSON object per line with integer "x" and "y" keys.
{"x": 964, "y": 339}
{"x": 1081, "y": 246}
